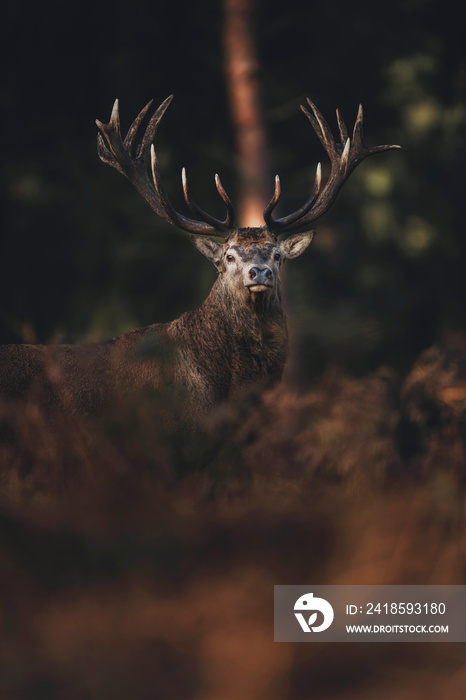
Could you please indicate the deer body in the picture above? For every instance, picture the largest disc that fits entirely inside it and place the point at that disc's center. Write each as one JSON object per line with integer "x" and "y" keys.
{"x": 236, "y": 338}
{"x": 233, "y": 340}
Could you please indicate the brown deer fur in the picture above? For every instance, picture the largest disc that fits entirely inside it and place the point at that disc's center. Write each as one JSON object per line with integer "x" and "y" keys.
{"x": 236, "y": 338}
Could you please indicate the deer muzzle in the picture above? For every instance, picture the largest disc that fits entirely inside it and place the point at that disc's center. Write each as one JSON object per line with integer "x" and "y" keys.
{"x": 259, "y": 277}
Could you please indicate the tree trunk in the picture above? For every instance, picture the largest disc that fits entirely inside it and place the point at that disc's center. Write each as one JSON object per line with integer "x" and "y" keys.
{"x": 242, "y": 69}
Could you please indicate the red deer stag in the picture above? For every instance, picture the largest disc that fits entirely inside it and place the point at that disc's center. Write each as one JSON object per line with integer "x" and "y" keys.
{"x": 237, "y": 337}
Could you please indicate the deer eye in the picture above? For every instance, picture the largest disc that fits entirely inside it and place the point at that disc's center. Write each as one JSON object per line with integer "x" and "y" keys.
{"x": 277, "y": 256}
{"x": 230, "y": 258}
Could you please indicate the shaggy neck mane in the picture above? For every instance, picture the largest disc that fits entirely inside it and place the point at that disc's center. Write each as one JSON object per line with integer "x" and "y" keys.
{"x": 249, "y": 307}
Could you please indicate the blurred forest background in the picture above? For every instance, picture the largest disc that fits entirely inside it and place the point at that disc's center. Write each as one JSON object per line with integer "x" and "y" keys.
{"x": 83, "y": 257}
{"x": 135, "y": 564}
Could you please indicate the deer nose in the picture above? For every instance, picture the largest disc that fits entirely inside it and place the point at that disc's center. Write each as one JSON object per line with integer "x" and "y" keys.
{"x": 260, "y": 275}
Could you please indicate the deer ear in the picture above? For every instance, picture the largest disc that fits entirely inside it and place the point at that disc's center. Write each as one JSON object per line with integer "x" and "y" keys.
{"x": 295, "y": 245}
{"x": 210, "y": 249}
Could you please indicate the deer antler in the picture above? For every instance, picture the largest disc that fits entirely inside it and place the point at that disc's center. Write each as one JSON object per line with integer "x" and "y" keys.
{"x": 118, "y": 153}
{"x": 344, "y": 157}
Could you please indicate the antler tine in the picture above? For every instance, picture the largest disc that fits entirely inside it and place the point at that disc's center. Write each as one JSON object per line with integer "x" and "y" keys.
{"x": 273, "y": 203}
{"x": 223, "y": 225}
{"x": 358, "y": 134}
{"x": 230, "y": 217}
{"x": 118, "y": 154}
{"x": 168, "y": 210}
{"x": 171, "y": 214}
{"x": 153, "y": 124}
{"x": 110, "y": 149}
{"x": 323, "y": 132}
{"x": 133, "y": 129}
{"x": 291, "y": 218}
{"x": 342, "y": 128}
{"x": 115, "y": 116}
{"x": 358, "y": 137}
{"x": 344, "y": 157}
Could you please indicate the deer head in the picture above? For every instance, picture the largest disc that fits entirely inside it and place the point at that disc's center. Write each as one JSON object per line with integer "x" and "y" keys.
{"x": 250, "y": 258}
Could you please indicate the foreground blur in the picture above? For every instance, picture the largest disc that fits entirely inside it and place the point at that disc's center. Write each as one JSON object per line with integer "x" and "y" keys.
{"x": 136, "y": 564}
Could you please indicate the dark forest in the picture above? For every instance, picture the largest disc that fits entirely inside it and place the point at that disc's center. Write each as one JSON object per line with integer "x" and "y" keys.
{"x": 140, "y": 564}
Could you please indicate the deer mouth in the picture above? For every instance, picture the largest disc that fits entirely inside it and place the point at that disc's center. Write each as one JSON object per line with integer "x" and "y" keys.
{"x": 259, "y": 287}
